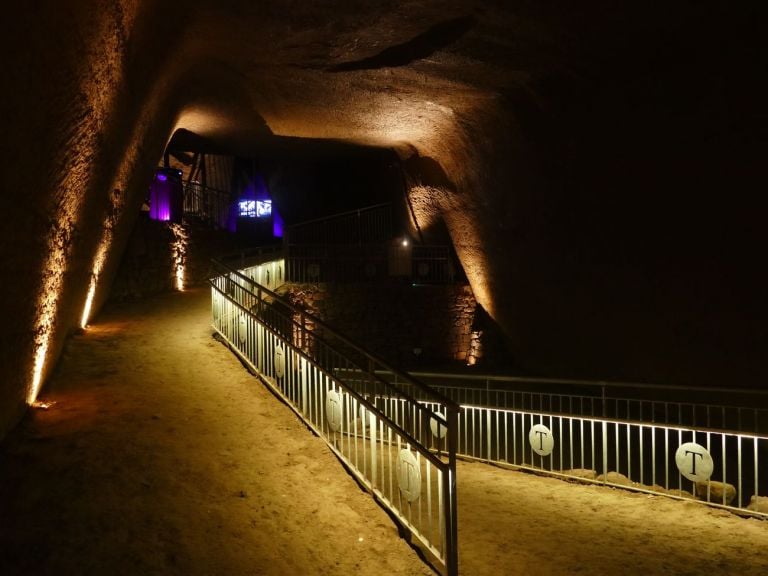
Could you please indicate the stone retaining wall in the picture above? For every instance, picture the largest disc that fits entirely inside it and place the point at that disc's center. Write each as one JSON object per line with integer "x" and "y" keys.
{"x": 413, "y": 326}
{"x": 150, "y": 260}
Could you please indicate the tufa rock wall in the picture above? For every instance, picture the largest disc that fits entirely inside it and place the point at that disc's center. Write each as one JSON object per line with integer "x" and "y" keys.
{"x": 416, "y": 327}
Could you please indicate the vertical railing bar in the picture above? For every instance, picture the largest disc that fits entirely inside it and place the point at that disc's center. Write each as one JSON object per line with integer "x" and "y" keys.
{"x": 653, "y": 454}
{"x": 738, "y": 453}
{"x": 364, "y": 439}
{"x": 372, "y": 436}
{"x": 679, "y": 475}
{"x": 605, "y": 448}
{"x": 474, "y": 432}
{"x": 382, "y": 450}
{"x": 419, "y": 501}
{"x": 757, "y": 486}
{"x": 709, "y": 486}
{"x": 498, "y": 434}
{"x": 389, "y": 451}
{"x": 429, "y": 501}
{"x": 592, "y": 442}
{"x": 357, "y": 409}
{"x": 488, "y": 434}
{"x": 629, "y": 451}
{"x": 616, "y": 443}
{"x": 666, "y": 458}
{"x": 642, "y": 452}
{"x": 506, "y": 436}
{"x": 532, "y": 459}
{"x": 722, "y": 457}
{"x": 466, "y": 431}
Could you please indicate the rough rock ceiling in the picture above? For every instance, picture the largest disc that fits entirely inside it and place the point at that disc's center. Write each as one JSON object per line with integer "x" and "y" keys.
{"x": 389, "y": 74}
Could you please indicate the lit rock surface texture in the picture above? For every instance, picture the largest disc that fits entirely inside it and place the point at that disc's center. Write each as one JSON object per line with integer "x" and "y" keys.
{"x": 596, "y": 166}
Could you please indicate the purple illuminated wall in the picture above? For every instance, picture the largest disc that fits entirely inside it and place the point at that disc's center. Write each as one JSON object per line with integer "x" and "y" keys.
{"x": 160, "y": 192}
{"x": 277, "y": 223}
{"x": 166, "y": 196}
{"x": 232, "y": 218}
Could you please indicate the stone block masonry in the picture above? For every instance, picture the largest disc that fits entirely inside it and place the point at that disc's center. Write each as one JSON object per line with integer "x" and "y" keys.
{"x": 149, "y": 263}
{"x": 416, "y": 327}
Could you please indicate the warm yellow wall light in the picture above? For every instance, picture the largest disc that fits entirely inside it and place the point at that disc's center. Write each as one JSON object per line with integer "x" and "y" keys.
{"x": 179, "y": 251}
{"x": 98, "y": 265}
{"x": 48, "y": 304}
{"x": 88, "y": 303}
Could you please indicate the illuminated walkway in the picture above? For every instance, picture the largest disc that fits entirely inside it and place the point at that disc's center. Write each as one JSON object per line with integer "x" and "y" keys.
{"x": 162, "y": 455}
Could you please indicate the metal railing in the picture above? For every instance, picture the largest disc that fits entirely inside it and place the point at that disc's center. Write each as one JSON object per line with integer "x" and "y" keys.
{"x": 270, "y": 256}
{"x": 369, "y": 225}
{"x": 207, "y": 204}
{"x": 424, "y": 264}
{"x": 403, "y": 451}
{"x": 739, "y": 410}
{"x": 638, "y": 436}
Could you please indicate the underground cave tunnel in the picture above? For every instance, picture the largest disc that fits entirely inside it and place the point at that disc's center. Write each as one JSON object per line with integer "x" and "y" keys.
{"x": 593, "y": 175}
{"x": 595, "y": 179}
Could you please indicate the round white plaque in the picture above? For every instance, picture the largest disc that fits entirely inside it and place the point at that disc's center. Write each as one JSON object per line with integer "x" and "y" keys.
{"x": 333, "y": 410}
{"x": 279, "y": 361}
{"x": 365, "y": 415}
{"x": 409, "y": 475}
{"x": 243, "y": 328}
{"x": 438, "y": 425}
{"x": 694, "y": 462}
{"x": 541, "y": 440}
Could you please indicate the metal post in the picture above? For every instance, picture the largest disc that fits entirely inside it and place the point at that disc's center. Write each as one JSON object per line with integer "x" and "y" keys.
{"x": 374, "y": 468}
{"x": 604, "y": 407}
{"x": 451, "y": 513}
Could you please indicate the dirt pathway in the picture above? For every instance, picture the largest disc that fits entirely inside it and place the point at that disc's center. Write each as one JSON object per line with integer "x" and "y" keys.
{"x": 162, "y": 455}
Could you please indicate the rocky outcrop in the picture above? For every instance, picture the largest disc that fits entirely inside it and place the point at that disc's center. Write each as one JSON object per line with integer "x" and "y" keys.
{"x": 758, "y": 504}
{"x": 413, "y": 326}
{"x": 583, "y": 473}
{"x": 716, "y": 492}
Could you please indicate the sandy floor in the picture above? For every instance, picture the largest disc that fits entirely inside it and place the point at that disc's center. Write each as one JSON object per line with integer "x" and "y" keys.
{"x": 162, "y": 455}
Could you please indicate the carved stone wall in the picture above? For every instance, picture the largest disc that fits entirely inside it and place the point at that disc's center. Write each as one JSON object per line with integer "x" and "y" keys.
{"x": 415, "y": 327}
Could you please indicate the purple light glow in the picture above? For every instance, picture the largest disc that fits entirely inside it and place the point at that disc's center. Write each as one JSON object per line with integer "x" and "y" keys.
{"x": 166, "y": 196}
{"x": 277, "y": 224}
{"x": 160, "y": 200}
{"x": 232, "y": 218}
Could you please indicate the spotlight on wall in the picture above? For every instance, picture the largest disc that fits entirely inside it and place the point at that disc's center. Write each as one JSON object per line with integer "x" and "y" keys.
{"x": 41, "y": 405}
{"x": 88, "y": 303}
{"x": 37, "y": 370}
{"x": 405, "y": 242}
{"x": 179, "y": 248}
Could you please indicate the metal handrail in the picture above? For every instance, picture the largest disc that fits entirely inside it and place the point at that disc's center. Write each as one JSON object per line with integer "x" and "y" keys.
{"x": 591, "y": 383}
{"x": 369, "y": 261}
{"x": 361, "y": 398}
{"x": 254, "y": 304}
{"x": 339, "y": 215}
{"x": 432, "y": 394}
{"x": 253, "y": 255}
